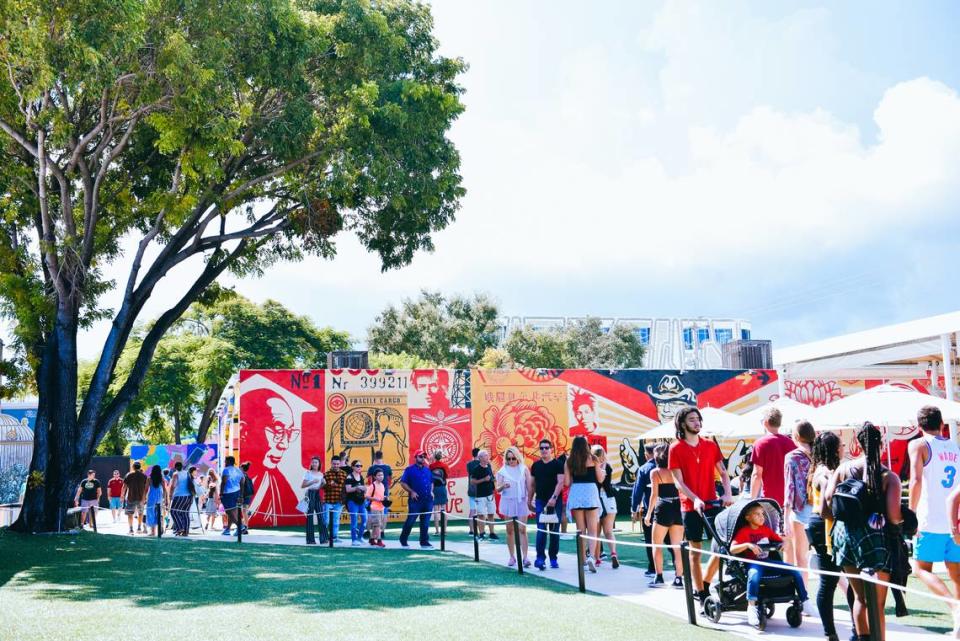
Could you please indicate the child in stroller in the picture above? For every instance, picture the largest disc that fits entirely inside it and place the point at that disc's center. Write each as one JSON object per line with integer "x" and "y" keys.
{"x": 750, "y": 586}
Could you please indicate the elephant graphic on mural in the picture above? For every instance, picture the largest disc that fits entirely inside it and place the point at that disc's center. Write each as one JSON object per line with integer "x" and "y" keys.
{"x": 369, "y": 427}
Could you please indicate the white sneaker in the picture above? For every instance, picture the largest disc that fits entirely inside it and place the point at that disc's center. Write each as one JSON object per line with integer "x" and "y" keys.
{"x": 753, "y": 615}
{"x": 356, "y": 543}
{"x": 810, "y": 610}
{"x": 591, "y": 564}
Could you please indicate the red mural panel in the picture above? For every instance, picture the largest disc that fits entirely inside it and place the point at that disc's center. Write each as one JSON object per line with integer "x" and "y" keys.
{"x": 447, "y": 430}
{"x": 282, "y": 427}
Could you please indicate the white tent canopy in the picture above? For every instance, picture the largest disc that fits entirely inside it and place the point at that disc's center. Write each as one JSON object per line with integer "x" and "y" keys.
{"x": 891, "y": 405}
{"x": 792, "y": 411}
{"x": 715, "y": 423}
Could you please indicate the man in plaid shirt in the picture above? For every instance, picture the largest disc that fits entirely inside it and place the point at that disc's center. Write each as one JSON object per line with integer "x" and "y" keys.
{"x": 333, "y": 495}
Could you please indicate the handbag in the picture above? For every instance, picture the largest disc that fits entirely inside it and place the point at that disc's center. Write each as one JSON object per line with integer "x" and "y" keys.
{"x": 303, "y": 506}
{"x": 548, "y": 518}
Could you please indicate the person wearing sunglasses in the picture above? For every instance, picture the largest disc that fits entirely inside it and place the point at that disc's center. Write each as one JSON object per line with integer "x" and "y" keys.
{"x": 417, "y": 482}
{"x": 512, "y": 482}
{"x": 544, "y": 489}
{"x": 354, "y": 489}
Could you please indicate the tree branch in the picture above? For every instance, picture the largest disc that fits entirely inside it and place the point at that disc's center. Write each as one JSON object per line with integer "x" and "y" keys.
{"x": 279, "y": 171}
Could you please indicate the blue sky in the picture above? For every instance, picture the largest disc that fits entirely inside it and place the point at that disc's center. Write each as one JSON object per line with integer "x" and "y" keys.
{"x": 796, "y": 164}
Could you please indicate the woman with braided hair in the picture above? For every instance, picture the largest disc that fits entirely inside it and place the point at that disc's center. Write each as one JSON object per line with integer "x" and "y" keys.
{"x": 861, "y": 545}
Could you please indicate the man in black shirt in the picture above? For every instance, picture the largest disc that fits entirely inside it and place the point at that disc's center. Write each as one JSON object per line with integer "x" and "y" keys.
{"x": 544, "y": 487}
{"x": 88, "y": 496}
{"x": 471, "y": 490}
{"x": 481, "y": 478}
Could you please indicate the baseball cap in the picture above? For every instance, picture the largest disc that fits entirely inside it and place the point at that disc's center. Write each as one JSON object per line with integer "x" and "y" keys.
{"x": 419, "y": 453}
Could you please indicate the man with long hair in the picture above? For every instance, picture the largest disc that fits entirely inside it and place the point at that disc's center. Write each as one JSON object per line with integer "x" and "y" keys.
{"x": 694, "y": 461}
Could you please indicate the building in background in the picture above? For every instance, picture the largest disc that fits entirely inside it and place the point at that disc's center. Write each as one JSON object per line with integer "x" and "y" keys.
{"x": 670, "y": 343}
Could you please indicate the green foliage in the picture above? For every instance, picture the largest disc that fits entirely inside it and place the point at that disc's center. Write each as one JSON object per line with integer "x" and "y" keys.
{"x": 400, "y": 361}
{"x": 452, "y": 332}
{"x": 157, "y": 429}
{"x": 581, "y": 344}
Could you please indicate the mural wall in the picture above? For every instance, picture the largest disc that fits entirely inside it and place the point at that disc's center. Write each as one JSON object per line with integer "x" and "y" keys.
{"x": 166, "y": 456}
{"x": 279, "y": 419}
{"x": 16, "y": 448}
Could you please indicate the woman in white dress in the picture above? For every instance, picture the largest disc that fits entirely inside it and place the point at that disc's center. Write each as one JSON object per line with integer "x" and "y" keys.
{"x": 511, "y": 482}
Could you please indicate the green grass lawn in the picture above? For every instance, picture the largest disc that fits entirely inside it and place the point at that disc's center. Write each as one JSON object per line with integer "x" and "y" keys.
{"x": 106, "y": 587}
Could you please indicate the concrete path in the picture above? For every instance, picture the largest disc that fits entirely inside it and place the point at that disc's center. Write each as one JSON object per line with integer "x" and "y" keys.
{"x": 625, "y": 583}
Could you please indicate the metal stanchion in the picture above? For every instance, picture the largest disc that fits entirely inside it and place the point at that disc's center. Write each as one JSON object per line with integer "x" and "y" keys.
{"x": 873, "y": 608}
{"x": 443, "y": 531}
{"x": 516, "y": 544}
{"x": 581, "y": 557}
{"x": 93, "y": 518}
{"x": 688, "y": 582}
{"x": 159, "y": 521}
{"x": 330, "y": 531}
{"x": 476, "y": 541}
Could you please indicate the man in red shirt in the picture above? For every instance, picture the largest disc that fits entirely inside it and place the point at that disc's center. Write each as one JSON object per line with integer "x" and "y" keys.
{"x": 768, "y": 454}
{"x": 114, "y": 490}
{"x": 694, "y": 462}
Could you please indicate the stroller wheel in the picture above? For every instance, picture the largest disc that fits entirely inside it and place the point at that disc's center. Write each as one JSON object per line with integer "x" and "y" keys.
{"x": 794, "y": 616}
{"x": 712, "y": 609}
{"x": 769, "y": 609}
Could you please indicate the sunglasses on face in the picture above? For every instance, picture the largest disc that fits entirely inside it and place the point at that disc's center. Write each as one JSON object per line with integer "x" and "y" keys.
{"x": 358, "y": 465}
{"x": 511, "y": 458}
{"x": 545, "y": 447}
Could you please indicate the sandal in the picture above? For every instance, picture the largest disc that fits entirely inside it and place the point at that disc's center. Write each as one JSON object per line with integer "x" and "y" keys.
{"x": 512, "y": 562}
{"x": 526, "y": 563}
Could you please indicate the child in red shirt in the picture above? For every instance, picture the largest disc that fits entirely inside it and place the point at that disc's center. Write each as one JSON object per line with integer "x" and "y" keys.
{"x": 746, "y": 543}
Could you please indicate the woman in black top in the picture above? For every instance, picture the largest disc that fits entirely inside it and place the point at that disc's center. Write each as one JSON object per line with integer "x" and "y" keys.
{"x": 608, "y": 508}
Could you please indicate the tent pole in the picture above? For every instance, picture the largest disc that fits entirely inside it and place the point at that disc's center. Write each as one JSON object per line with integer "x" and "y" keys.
{"x": 782, "y": 381}
{"x": 947, "y": 348}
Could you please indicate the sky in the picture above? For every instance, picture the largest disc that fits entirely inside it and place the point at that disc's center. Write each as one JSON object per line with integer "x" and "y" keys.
{"x": 794, "y": 164}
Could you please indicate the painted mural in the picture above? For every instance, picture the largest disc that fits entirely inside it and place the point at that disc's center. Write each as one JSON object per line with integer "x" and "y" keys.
{"x": 277, "y": 420}
{"x": 166, "y": 456}
{"x": 16, "y": 448}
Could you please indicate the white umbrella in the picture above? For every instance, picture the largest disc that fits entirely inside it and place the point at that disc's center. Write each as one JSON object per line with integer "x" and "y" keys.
{"x": 890, "y": 405}
{"x": 715, "y": 423}
{"x": 792, "y": 411}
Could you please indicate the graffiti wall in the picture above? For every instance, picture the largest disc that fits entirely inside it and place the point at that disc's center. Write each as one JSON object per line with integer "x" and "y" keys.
{"x": 278, "y": 420}
{"x": 17, "y": 422}
{"x": 166, "y": 456}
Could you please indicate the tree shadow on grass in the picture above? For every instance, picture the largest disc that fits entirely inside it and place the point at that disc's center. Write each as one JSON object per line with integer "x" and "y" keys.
{"x": 173, "y": 575}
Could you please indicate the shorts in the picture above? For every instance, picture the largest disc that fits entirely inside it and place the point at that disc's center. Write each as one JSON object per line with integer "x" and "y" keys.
{"x": 934, "y": 547}
{"x": 583, "y": 496}
{"x": 667, "y": 513}
{"x": 89, "y": 503}
{"x": 483, "y": 505}
{"x": 376, "y": 519}
{"x": 440, "y": 496}
{"x": 114, "y": 502}
{"x": 861, "y": 547}
{"x": 510, "y": 508}
{"x": 229, "y": 500}
{"x": 803, "y": 516}
{"x": 607, "y": 503}
{"x": 693, "y": 528}
{"x": 134, "y": 507}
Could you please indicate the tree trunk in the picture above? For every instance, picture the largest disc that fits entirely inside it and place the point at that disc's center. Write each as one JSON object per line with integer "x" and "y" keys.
{"x": 57, "y": 464}
{"x": 209, "y": 407}
{"x": 176, "y": 423}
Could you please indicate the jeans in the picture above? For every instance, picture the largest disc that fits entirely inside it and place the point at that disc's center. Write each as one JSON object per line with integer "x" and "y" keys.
{"x": 425, "y": 509}
{"x": 336, "y": 509}
{"x": 554, "y": 529}
{"x": 358, "y": 520}
{"x": 315, "y": 511}
{"x": 757, "y": 572}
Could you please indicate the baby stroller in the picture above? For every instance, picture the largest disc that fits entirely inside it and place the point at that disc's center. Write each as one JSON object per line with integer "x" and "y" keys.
{"x": 731, "y": 591}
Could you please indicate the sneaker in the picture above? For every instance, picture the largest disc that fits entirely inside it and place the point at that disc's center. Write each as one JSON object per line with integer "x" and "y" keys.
{"x": 404, "y": 544}
{"x": 678, "y": 583}
{"x": 526, "y": 563}
{"x": 482, "y": 538}
{"x": 614, "y": 561}
{"x": 656, "y": 582}
{"x": 131, "y": 530}
{"x": 493, "y": 537}
{"x": 226, "y": 532}
{"x": 753, "y": 615}
{"x": 599, "y": 561}
{"x": 356, "y": 543}
{"x": 311, "y": 542}
{"x": 554, "y": 565}
{"x": 380, "y": 543}
{"x": 512, "y": 562}
{"x": 650, "y": 573}
{"x": 809, "y": 610}
{"x": 426, "y": 546}
{"x": 591, "y": 564}
{"x": 603, "y": 555}
{"x": 540, "y": 564}
{"x": 702, "y": 595}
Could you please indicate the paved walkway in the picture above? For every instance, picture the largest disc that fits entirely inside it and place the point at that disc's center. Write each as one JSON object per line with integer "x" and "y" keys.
{"x": 625, "y": 583}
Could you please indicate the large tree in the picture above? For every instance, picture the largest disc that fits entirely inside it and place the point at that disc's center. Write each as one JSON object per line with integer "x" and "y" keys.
{"x": 451, "y": 332}
{"x": 160, "y": 134}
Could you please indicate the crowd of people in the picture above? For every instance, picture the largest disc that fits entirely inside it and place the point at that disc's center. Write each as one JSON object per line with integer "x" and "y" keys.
{"x": 840, "y": 513}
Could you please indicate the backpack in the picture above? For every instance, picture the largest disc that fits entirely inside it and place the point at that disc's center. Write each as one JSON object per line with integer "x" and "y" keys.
{"x": 853, "y": 503}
